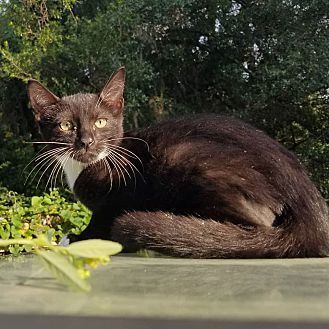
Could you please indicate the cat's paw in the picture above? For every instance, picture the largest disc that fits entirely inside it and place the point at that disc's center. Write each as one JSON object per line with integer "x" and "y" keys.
{"x": 68, "y": 239}
{"x": 65, "y": 241}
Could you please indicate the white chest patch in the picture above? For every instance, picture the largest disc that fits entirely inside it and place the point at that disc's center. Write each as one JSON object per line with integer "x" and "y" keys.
{"x": 72, "y": 169}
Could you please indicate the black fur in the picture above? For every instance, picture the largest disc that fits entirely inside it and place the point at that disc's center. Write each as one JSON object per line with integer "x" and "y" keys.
{"x": 205, "y": 187}
{"x": 188, "y": 203}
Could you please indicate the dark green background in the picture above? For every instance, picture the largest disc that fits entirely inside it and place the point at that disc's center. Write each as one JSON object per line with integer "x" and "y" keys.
{"x": 266, "y": 62}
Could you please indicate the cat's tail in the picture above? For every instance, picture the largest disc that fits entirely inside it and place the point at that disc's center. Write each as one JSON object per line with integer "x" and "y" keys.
{"x": 188, "y": 236}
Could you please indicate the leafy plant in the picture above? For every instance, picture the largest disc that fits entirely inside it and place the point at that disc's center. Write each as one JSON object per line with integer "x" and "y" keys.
{"x": 50, "y": 214}
{"x": 70, "y": 265}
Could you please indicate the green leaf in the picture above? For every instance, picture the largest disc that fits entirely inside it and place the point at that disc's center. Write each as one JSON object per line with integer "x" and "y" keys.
{"x": 8, "y": 242}
{"x": 94, "y": 248}
{"x": 36, "y": 201}
{"x": 63, "y": 270}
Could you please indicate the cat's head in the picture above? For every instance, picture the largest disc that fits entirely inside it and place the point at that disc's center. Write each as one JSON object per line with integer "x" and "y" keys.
{"x": 83, "y": 124}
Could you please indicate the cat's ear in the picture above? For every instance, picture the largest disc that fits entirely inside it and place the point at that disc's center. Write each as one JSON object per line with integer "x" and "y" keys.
{"x": 40, "y": 97}
{"x": 112, "y": 94}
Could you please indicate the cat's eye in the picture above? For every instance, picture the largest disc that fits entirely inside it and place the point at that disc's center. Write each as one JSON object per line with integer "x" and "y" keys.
{"x": 100, "y": 123}
{"x": 66, "y": 125}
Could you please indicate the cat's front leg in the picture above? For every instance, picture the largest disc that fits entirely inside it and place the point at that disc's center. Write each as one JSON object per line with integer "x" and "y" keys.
{"x": 96, "y": 229}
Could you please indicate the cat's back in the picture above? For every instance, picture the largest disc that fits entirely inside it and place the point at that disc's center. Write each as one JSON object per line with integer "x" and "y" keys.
{"x": 222, "y": 153}
{"x": 211, "y": 136}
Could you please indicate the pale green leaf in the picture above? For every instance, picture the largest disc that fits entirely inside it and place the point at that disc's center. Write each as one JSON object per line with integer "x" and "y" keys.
{"x": 94, "y": 248}
{"x": 63, "y": 270}
{"x": 36, "y": 201}
{"x": 8, "y": 242}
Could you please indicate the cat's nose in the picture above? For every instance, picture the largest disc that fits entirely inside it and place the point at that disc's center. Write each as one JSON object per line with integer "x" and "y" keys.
{"x": 86, "y": 142}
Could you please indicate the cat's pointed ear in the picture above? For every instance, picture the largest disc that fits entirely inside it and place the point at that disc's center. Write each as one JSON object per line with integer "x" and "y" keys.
{"x": 112, "y": 94}
{"x": 40, "y": 97}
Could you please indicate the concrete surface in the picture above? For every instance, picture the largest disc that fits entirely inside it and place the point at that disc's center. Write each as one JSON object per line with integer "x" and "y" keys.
{"x": 290, "y": 291}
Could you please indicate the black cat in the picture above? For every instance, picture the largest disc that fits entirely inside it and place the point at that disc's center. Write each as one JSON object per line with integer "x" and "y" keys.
{"x": 205, "y": 187}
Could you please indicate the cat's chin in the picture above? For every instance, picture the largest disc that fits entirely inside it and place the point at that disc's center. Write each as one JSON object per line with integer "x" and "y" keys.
{"x": 90, "y": 158}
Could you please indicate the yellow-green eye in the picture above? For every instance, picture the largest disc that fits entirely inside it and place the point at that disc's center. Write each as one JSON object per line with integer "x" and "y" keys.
{"x": 66, "y": 125}
{"x": 100, "y": 123}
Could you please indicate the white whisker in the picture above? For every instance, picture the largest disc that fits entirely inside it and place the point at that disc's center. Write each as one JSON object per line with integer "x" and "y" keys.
{"x": 124, "y": 162}
{"x": 107, "y": 168}
{"x": 57, "y": 143}
{"x": 128, "y": 153}
{"x": 65, "y": 155}
{"x": 43, "y": 160}
{"x": 117, "y": 168}
{"x": 48, "y": 163}
{"x": 121, "y": 160}
{"x": 132, "y": 166}
{"x": 130, "y": 137}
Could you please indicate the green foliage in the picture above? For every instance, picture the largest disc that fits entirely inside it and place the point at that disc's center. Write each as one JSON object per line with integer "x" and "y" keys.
{"x": 15, "y": 154}
{"x": 49, "y": 214}
{"x": 34, "y": 29}
{"x": 71, "y": 264}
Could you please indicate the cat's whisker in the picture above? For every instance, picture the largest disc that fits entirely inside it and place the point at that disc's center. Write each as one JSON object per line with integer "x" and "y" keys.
{"x": 69, "y": 156}
{"x": 42, "y": 161}
{"x": 57, "y": 143}
{"x": 125, "y": 162}
{"x": 130, "y": 137}
{"x": 126, "y": 152}
{"x": 131, "y": 165}
{"x": 120, "y": 167}
{"x": 49, "y": 153}
{"x": 117, "y": 168}
{"x": 63, "y": 161}
{"x": 33, "y": 159}
{"x": 53, "y": 159}
{"x": 39, "y": 165}
{"x": 48, "y": 163}
{"x": 121, "y": 161}
{"x": 108, "y": 168}
{"x": 122, "y": 150}
{"x": 52, "y": 173}
{"x": 39, "y": 156}
{"x": 65, "y": 156}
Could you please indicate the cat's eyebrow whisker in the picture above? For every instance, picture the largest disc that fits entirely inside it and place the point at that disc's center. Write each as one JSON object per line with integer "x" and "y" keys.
{"x": 99, "y": 101}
